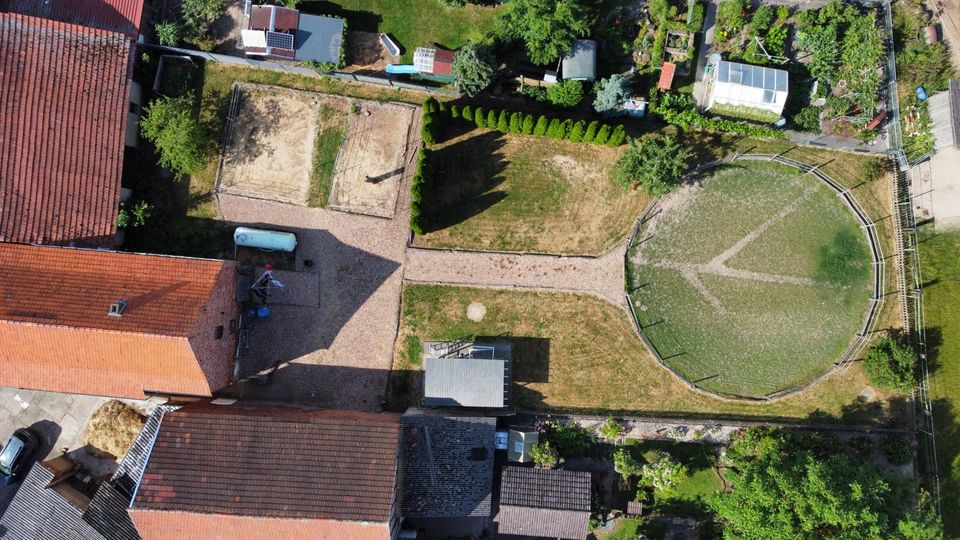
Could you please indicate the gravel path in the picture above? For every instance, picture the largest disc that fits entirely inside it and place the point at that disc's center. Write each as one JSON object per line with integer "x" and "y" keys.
{"x": 602, "y": 276}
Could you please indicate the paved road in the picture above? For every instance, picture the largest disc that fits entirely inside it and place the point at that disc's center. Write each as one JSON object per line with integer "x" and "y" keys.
{"x": 602, "y": 275}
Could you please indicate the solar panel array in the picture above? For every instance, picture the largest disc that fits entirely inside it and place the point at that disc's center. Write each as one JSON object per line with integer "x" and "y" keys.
{"x": 278, "y": 40}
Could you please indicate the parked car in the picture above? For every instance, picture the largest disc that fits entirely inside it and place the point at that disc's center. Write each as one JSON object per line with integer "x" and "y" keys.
{"x": 16, "y": 454}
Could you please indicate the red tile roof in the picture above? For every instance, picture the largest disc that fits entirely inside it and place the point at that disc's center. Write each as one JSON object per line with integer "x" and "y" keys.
{"x": 443, "y": 62}
{"x": 268, "y": 472}
{"x": 57, "y": 334}
{"x": 666, "y": 76}
{"x": 62, "y": 123}
{"x": 115, "y": 15}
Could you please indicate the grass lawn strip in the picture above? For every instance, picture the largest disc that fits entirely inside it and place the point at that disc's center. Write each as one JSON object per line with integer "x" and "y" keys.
{"x": 528, "y": 194}
{"x": 747, "y": 330}
{"x": 585, "y": 357}
{"x": 941, "y": 273}
{"x": 331, "y": 132}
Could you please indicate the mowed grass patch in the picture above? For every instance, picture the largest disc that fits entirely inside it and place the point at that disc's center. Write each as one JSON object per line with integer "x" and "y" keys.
{"x": 411, "y": 23}
{"x": 575, "y": 352}
{"x": 699, "y": 482}
{"x": 941, "y": 293}
{"x": 331, "y": 131}
{"x": 501, "y": 192}
{"x": 736, "y": 303}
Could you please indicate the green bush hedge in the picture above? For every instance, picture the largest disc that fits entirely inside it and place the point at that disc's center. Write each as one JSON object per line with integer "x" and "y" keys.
{"x": 519, "y": 123}
{"x": 420, "y": 188}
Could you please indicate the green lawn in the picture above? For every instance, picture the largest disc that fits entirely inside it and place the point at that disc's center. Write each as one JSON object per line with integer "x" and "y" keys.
{"x": 524, "y": 193}
{"x": 411, "y": 23}
{"x": 941, "y": 273}
{"x": 739, "y": 333}
{"x": 578, "y": 353}
{"x": 700, "y": 481}
{"x": 331, "y": 132}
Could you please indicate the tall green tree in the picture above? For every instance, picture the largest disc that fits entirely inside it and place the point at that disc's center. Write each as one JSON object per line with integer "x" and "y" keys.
{"x": 787, "y": 485}
{"x": 474, "y": 68}
{"x": 547, "y": 27}
{"x": 171, "y": 125}
{"x": 655, "y": 165}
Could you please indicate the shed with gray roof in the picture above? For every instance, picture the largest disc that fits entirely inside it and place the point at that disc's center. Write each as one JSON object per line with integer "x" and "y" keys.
{"x": 544, "y": 503}
{"x": 476, "y": 375}
{"x": 580, "y": 64}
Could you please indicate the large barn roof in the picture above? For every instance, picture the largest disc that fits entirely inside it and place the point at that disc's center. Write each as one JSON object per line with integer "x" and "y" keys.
{"x": 62, "y": 124}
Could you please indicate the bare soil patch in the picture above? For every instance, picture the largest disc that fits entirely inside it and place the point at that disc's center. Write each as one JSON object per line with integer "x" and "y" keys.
{"x": 268, "y": 154}
{"x": 366, "y": 54}
{"x": 373, "y": 157}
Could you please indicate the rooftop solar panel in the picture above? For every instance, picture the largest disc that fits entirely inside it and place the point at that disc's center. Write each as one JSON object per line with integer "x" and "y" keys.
{"x": 277, "y": 40}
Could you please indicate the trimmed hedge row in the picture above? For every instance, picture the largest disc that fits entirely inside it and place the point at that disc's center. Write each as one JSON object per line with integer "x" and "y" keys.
{"x": 421, "y": 185}
{"x": 437, "y": 115}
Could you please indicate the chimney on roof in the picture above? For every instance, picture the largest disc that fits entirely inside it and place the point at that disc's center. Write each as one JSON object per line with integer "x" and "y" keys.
{"x": 117, "y": 308}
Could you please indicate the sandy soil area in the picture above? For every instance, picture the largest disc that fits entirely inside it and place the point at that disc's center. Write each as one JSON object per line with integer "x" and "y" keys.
{"x": 372, "y": 158}
{"x": 365, "y": 54}
{"x": 269, "y": 152}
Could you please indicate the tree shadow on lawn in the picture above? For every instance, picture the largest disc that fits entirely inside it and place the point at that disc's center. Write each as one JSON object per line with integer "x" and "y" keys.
{"x": 893, "y": 414}
{"x": 948, "y": 453}
{"x": 467, "y": 175}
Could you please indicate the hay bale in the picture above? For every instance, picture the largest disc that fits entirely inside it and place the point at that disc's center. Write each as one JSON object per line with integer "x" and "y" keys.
{"x": 113, "y": 427}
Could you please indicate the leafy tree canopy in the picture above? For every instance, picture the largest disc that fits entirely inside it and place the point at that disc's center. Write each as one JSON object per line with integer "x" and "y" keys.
{"x": 891, "y": 364}
{"x": 547, "y": 27}
{"x": 171, "y": 125}
{"x": 474, "y": 67}
{"x": 800, "y": 486}
{"x": 655, "y": 165}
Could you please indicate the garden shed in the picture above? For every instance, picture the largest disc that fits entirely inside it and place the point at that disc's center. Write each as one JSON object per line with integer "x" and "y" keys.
{"x": 742, "y": 85}
{"x": 580, "y": 64}
{"x": 281, "y": 32}
{"x": 476, "y": 375}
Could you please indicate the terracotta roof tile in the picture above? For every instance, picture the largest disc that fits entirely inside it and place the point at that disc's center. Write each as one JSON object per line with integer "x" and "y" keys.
{"x": 57, "y": 334}
{"x": 62, "y": 123}
{"x": 258, "y": 467}
{"x": 114, "y": 15}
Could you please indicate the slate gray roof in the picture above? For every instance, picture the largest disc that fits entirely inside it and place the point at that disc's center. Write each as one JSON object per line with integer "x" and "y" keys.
{"x": 318, "y": 38}
{"x": 466, "y": 382}
{"x": 544, "y": 503}
{"x": 38, "y": 513}
{"x": 446, "y": 465}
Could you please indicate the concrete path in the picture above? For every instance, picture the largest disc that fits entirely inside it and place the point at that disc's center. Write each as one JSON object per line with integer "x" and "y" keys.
{"x": 709, "y": 28}
{"x": 602, "y": 275}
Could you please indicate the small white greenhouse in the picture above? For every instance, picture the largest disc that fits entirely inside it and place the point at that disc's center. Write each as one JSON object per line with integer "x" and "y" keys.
{"x": 743, "y": 85}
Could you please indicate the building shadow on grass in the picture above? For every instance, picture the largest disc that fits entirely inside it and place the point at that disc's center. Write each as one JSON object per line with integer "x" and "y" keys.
{"x": 468, "y": 173}
{"x": 363, "y": 21}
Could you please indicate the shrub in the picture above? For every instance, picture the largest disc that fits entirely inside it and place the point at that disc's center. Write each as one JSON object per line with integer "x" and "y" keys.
{"x": 591, "y": 131}
{"x": 808, "y": 119}
{"x": 626, "y": 465}
{"x": 200, "y": 13}
{"x": 474, "y": 68}
{"x": 135, "y": 215}
{"x": 663, "y": 473}
{"x": 654, "y": 165}
{"x": 617, "y": 137}
{"x": 480, "y": 117}
{"x": 503, "y": 122}
{"x": 169, "y": 33}
{"x": 783, "y": 13}
{"x": 541, "y": 128}
{"x": 455, "y": 112}
{"x": 554, "y": 128}
{"x": 428, "y": 129}
{"x": 492, "y": 119}
{"x": 696, "y": 22}
{"x": 564, "y": 128}
{"x": 544, "y": 455}
{"x": 891, "y": 364}
{"x": 897, "y": 449}
{"x": 467, "y": 113}
{"x": 602, "y": 135}
{"x": 454, "y": 3}
{"x": 576, "y": 132}
{"x": 611, "y": 429}
{"x": 570, "y": 440}
{"x": 171, "y": 125}
{"x": 566, "y": 93}
{"x": 527, "y": 128}
{"x": 515, "y": 122}
{"x": 431, "y": 105}
{"x": 611, "y": 92}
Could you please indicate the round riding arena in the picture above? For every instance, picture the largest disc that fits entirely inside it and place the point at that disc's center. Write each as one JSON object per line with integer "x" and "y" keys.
{"x": 753, "y": 279}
